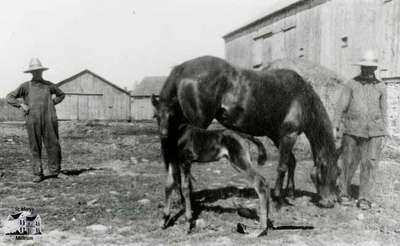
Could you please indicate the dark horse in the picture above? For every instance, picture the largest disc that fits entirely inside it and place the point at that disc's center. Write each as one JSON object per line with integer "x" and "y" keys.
{"x": 274, "y": 103}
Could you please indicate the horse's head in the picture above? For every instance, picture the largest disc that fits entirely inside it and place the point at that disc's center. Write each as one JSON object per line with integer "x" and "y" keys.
{"x": 164, "y": 113}
{"x": 325, "y": 178}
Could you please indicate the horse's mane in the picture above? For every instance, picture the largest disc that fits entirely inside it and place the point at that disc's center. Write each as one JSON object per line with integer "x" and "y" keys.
{"x": 321, "y": 139}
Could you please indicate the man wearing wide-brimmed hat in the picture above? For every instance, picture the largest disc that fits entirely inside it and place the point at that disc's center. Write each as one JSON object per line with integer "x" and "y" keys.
{"x": 39, "y": 97}
{"x": 363, "y": 106}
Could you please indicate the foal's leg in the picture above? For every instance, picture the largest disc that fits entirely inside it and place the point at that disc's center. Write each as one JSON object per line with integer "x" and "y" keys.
{"x": 285, "y": 150}
{"x": 290, "y": 181}
{"x": 242, "y": 162}
{"x": 186, "y": 191}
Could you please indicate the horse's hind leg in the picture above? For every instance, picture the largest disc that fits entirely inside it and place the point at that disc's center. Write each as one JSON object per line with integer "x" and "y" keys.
{"x": 285, "y": 150}
{"x": 290, "y": 181}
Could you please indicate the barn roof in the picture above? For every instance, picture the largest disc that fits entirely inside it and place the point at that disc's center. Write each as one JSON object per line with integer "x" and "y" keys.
{"x": 279, "y": 7}
{"x": 149, "y": 85}
{"x": 16, "y": 215}
{"x": 94, "y": 75}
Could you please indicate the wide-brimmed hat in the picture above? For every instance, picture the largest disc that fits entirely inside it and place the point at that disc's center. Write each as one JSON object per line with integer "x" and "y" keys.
{"x": 369, "y": 59}
{"x": 35, "y": 64}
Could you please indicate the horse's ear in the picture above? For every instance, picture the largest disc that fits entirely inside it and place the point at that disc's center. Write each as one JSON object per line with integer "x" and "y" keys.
{"x": 154, "y": 101}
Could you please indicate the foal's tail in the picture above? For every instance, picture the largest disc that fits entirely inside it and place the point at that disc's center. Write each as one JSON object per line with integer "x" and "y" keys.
{"x": 262, "y": 153}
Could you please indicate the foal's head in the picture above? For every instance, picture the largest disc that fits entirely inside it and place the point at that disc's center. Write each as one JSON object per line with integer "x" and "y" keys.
{"x": 165, "y": 113}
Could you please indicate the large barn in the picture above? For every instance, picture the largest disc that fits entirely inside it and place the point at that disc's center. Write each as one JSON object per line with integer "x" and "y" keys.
{"x": 333, "y": 33}
{"x": 141, "y": 108}
{"x": 91, "y": 97}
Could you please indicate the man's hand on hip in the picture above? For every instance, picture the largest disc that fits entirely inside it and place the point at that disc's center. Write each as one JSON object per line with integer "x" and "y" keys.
{"x": 25, "y": 108}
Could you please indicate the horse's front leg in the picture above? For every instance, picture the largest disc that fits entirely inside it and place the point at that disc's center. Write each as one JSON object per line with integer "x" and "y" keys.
{"x": 186, "y": 191}
{"x": 170, "y": 184}
{"x": 285, "y": 150}
{"x": 290, "y": 181}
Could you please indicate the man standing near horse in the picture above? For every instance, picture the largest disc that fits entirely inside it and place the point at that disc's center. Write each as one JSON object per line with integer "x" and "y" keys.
{"x": 41, "y": 119}
{"x": 363, "y": 106}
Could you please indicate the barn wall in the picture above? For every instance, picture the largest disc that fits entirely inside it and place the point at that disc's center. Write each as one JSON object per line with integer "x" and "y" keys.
{"x": 10, "y": 113}
{"x": 333, "y": 33}
{"x": 292, "y": 33}
{"x": 393, "y": 89}
{"x": 388, "y": 28}
{"x": 141, "y": 108}
{"x": 107, "y": 103}
{"x": 237, "y": 52}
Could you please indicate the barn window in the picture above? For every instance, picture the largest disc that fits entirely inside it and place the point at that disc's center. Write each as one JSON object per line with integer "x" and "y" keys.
{"x": 288, "y": 26}
{"x": 301, "y": 52}
{"x": 345, "y": 40}
{"x": 257, "y": 53}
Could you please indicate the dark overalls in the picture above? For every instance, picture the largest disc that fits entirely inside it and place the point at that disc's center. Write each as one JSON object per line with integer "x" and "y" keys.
{"x": 41, "y": 122}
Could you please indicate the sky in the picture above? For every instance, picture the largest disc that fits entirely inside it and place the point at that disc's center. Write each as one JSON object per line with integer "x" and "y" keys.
{"x": 120, "y": 40}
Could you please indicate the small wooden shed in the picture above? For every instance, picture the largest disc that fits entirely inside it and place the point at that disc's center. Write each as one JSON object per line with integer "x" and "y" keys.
{"x": 91, "y": 97}
{"x": 141, "y": 107}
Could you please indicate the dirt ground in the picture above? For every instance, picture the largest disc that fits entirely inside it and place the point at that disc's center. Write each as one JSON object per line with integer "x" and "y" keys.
{"x": 113, "y": 194}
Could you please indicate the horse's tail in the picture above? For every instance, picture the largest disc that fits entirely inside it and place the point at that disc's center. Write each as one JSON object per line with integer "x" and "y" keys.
{"x": 262, "y": 152}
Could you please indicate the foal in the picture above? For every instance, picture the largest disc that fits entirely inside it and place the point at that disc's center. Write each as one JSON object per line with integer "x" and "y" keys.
{"x": 199, "y": 145}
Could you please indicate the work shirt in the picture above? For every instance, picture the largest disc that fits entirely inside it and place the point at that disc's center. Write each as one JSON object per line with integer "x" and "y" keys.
{"x": 363, "y": 103}
{"x": 23, "y": 91}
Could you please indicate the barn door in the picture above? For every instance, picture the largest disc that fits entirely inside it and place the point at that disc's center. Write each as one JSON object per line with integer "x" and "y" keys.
{"x": 267, "y": 49}
{"x": 278, "y": 50}
{"x": 90, "y": 107}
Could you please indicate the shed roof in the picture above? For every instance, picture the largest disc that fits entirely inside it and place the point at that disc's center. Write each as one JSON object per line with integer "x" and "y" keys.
{"x": 94, "y": 75}
{"x": 32, "y": 217}
{"x": 279, "y": 7}
{"x": 149, "y": 85}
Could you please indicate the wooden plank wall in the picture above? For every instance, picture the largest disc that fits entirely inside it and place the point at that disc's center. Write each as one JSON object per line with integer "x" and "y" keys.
{"x": 142, "y": 109}
{"x": 114, "y": 105}
{"x": 294, "y": 33}
{"x": 10, "y": 113}
{"x": 389, "y": 37}
{"x": 334, "y": 33}
{"x": 393, "y": 88}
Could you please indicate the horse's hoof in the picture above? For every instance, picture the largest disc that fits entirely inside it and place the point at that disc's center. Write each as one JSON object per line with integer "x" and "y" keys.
{"x": 326, "y": 203}
{"x": 282, "y": 202}
{"x": 258, "y": 233}
{"x": 165, "y": 223}
{"x": 291, "y": 194}
{"x": 276, "y": 194}
{"x": 190, "y": 226}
